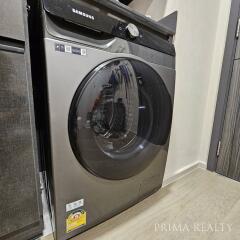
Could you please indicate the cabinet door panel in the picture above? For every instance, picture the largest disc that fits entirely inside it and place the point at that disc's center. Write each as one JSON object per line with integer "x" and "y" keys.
{"x": 19, "y": 201}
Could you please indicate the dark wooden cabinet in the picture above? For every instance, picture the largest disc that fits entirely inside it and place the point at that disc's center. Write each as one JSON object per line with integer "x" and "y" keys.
{"x": 20, "y": 202}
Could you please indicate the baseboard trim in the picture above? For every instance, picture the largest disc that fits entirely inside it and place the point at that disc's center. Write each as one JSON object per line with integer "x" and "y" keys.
{"x": 183, "y": 172}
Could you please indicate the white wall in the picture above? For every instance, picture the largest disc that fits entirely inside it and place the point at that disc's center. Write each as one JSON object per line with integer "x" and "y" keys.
{"x": 140, "y": 5}
{"x": 199, "y": 42}
{"x": 157, "y": 9}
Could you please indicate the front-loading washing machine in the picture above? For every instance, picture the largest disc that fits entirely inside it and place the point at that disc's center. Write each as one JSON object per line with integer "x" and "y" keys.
{"x": 110, "y": 90}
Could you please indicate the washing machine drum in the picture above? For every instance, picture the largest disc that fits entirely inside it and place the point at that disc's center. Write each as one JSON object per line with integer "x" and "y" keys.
{"x": 119, "y": 119}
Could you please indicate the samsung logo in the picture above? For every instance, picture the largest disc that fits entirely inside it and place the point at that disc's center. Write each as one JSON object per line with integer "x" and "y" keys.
{"x": 82, "y": 14}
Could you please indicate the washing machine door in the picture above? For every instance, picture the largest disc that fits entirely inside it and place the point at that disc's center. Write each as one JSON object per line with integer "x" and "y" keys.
{"x": 119, "y": 119}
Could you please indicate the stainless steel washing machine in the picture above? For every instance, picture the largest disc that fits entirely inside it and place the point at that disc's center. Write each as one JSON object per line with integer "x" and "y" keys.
{"x": 110, "y": 91}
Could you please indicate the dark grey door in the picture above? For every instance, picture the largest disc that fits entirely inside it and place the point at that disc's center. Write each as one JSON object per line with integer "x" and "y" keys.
{"x": 224, "y": 155}
{"x": 20, "y": 216}
{"x": 229, "y": 154}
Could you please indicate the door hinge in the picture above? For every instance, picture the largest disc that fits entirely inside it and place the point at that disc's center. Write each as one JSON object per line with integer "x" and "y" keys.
{"x": 218, "y": 148}
{"x": 238, "y": 29}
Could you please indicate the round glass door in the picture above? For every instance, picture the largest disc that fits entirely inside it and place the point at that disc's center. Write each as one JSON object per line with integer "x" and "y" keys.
{"x": 119, "y": 118}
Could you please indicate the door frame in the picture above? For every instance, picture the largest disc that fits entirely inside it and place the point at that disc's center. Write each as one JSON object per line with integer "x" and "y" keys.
{"x": 225, "y": 80}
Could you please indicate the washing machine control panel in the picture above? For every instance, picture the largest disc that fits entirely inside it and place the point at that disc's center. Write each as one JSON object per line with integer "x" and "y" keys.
{"x": 86, "y": 16}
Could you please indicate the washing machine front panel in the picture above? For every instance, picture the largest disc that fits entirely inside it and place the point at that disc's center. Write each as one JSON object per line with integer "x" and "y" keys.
{"x": 67, "y": 73}
{"x": 120, "y": 113}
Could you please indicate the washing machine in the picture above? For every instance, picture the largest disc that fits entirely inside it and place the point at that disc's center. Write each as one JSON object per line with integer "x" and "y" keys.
{"x": 110, "y": 93}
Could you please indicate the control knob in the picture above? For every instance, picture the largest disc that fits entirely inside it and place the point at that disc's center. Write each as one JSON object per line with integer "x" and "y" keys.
{"x": 132, "y": 30}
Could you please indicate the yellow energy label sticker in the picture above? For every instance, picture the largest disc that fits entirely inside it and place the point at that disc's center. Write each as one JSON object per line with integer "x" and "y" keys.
{"x": 76, "y": 220}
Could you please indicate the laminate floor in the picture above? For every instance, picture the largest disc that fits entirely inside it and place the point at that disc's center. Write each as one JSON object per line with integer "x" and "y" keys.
{"x": 202, "y": 206}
